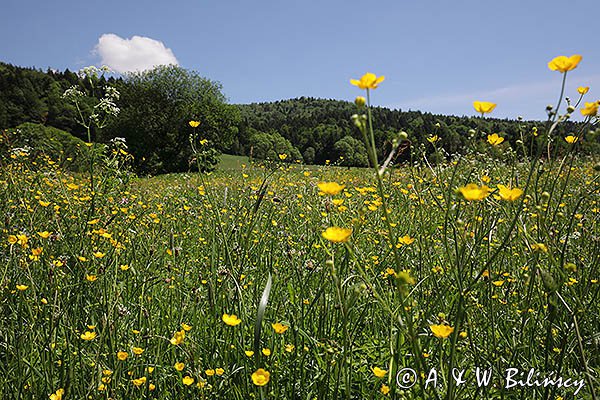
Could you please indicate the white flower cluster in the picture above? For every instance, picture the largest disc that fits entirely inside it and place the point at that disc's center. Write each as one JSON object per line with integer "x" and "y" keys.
{"x": 72, "y": 93}
{"x": 92, "y": 71}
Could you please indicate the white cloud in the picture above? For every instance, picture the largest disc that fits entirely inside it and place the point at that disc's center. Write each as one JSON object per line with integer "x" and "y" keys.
{"x": 136, "y": 54}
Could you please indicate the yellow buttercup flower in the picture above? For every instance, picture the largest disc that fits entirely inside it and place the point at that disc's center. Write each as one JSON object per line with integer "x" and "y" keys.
{"x": 539, "y": 247}
{"x": 330, "y": 188}
{"x": 590, "y": 109}
{"x": 509, "y": 194}
{"x": 571, "y": 139}
{"x": 433, "y": 139}
{"x": 494, "y": 139}
{"x": 88, "y": 335}
{"x": 367, "y": 81}
{"x": 564, "y": 63}
{"x": 378, "y": 372}
{"x": 441, "y": 331}
{"x": 57, "y": 395}
{"x": 231, "y": 320}
{"x": 137, "y": 351}
{"x": 261, "y": 377}
{"x": 484, "y": 107}
{"x": 178, "y": 337}
{"x": 360, "y": 101}
{"x": 179, "y": 366}
{"x": 45, "y": 234}
{"x": 194, "y": 124}
{"x": 279, "y": 328}
{"x": 282, "y": 156}
{"x": 385, "y": 389}
{"x": 139, "y": 381}
{"x": 22, "y": 287}
{"x": 583, "y": 90}
{"x": 474, "y": 192}
{"x": 406, "y": 239}
{"x": 187, "y": 380}
{"x": 121, "y": 355}
{"x": 186, "y": 327}
{"x": 337, "y": 235}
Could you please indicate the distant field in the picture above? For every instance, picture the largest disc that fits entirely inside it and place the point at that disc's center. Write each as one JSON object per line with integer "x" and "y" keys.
{"x": 231, "y": 162}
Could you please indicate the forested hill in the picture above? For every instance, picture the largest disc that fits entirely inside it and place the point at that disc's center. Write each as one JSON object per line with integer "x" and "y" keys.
{"x": 157, "y": 105}
{"x": 321, "y": 130}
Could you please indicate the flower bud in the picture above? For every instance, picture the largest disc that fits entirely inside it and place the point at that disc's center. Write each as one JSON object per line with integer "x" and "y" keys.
{"x": 545, "y": 196}
{"x": 403, "y": 136}
{"x": 360, "y": 101}
{"x": 570, "y": 109}
{"x": 549, "y": 107}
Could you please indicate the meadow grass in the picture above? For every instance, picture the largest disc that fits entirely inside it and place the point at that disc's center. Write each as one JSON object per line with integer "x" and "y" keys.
{"x": 282, "y": 281}
{"x": 188, "y": 248}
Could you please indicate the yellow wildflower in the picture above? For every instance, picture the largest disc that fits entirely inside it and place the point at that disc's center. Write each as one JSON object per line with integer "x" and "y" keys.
{"x": 58, "y": 394}
{"x": 378, "y": 372}
{"x": 88, "y": 335}
{"x": 279, "y": 328}
{"x": 186, "y": 327}
{"x": 367, "y": 81}
{"x": 494, "y": 139}
{"x": 187, "y": 380}
{"x": 261, "y": 377}
{"x": 330, "y": 188}
{"x": 590, "y": 109}
{"x": 22, "y": 287}
{"x": 139, "y": 381}
{"x": 583, "y": 90}
{"x": 337, "y": 235}
{"x": 194, "y": 124}
{"x": 484, "y": 107}
{"x": 178, "y": 337}
{"x": 137, "y": 351}
{"x": 231, "y": 320}
{"x": 571, "y": 139}
{"x": 473, "y": 192}
{"x": 179, "y": 366}
{"x": 406, "y": 239}
{"x": 564, "y": 63}
{"x": 509, "y": 194}
{"x": 121, "y": 355}
{"x": 385, "y": 389}
{"x": 441, "y": 331}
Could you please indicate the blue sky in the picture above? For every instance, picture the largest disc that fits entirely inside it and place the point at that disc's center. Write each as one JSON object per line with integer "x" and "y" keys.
{"x": 437, "y": 56}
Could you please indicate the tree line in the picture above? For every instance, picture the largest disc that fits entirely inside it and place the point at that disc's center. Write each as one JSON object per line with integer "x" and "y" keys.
{"x": 156, "y": 106}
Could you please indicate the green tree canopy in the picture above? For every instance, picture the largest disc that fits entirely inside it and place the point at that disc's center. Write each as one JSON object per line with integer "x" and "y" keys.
{"x": 156, "y": 106}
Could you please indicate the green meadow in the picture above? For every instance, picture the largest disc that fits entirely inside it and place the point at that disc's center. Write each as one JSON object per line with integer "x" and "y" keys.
{"x": 271, "y": 279}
